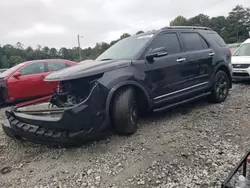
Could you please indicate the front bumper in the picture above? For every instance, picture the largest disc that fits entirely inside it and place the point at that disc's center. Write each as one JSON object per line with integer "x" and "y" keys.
{"x": 241, "y": 73}
{"x": 61, "y": 126}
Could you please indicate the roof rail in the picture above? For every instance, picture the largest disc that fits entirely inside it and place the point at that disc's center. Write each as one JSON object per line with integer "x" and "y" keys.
{"x": 187, "y": 27}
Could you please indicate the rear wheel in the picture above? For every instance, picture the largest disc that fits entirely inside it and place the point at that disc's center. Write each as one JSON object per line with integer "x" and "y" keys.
{"x": 220, "y": 88}
{"x": 124, "y": 112}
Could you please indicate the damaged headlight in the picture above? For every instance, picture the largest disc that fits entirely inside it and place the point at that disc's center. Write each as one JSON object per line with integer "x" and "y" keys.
{"x": 72, "y": 92}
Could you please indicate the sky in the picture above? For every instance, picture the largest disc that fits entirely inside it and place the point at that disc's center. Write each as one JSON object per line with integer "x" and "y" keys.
{"x": 56, "y": 23}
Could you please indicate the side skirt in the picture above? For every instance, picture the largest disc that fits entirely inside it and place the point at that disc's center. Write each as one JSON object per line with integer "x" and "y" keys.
{"x": 182, "y": 102}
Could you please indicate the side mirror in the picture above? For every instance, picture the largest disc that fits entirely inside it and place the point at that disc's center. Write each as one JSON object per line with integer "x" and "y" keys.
{"x": 17, "y": 75}
{"x": 157, "y": 52}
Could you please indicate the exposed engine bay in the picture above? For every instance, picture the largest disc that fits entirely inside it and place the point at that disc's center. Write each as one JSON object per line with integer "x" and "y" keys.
{"x": 73, "y": 92}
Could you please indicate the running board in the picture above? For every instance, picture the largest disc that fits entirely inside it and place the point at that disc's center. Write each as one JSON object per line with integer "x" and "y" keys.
{"x": 182, "y": 102}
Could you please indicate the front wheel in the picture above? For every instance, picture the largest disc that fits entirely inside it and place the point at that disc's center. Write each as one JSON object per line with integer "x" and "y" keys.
{"x": 220, "y": 87}
{"x": 124, "y": 112}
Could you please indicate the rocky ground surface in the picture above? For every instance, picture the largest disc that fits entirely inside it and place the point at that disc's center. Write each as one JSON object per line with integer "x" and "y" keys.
{"x": 195, "y": 145}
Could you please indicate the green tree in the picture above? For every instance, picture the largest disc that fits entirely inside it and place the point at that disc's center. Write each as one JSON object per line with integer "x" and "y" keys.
{"x": 14, "y": 60}
{"x": 179, "y": 21}
{"x": 238, "y": 24}
{"x": 19, "y": 46}
{"x": 4, "y": 62}
{"x": 125, "y": 35}
{"x": 200, "y": 20}
{"x": 139, "y": 32}
{"x": 220, "y": 25}
{"x": 53, "y": 53}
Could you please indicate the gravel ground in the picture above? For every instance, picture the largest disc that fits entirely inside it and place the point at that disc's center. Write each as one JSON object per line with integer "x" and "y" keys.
{"x": 195, "y": 145}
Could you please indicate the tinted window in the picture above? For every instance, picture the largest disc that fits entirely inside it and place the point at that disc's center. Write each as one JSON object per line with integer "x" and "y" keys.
{"x": 55, "y": 66}
{"x": 169, "y": 41}
{"x": 217, "y": 39}
{"x": 192, "y": 41}
{"x": 205, "y": 45}
{"x": 34, "y": 68}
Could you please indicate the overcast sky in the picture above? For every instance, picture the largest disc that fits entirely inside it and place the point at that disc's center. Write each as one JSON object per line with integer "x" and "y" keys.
{"x": 56, "y": 23}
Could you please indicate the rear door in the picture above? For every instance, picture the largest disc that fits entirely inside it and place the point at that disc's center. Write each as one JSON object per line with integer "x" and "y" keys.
{"x": 197, "y": 68}
{"x": 50, "y": 68}
{"x": 29, "y": 84}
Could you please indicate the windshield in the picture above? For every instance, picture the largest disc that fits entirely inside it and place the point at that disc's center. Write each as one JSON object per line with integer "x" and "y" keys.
{"x": 127, "y": 48}
{"x": 244, "y": 50}
{"x": 8, "y": 71}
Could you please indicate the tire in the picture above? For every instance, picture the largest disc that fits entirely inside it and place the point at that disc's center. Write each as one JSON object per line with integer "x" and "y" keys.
{"x": 124, "y": 112}
{"x": 220, "y": 87}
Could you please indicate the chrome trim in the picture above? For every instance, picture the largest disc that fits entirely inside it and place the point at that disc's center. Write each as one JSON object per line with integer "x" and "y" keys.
{"x": 161, "y": 96}
{"x": 181, "y": 60}
{"x": 211, "y": 54}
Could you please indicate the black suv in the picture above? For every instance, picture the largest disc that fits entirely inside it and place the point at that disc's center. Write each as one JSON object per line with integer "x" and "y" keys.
{"x": 153, "y": 71}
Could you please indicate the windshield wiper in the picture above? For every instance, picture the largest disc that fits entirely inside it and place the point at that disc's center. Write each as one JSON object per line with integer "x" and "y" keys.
{"x": 106, "y": 59}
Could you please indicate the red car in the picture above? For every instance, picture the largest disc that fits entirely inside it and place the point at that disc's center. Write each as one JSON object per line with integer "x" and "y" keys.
{"x": 26, "y": 80}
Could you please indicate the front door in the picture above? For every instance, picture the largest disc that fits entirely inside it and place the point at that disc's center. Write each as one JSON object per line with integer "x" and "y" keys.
{"x": 30, "y": 84}
{"x": 166, "y": 73}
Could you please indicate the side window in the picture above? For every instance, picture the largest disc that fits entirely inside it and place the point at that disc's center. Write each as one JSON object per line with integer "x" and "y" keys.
{"x": 34, "y": 68}
{"x": 170, "y": 41}
{"x": 55, "y": 66}
{"x": 193, "y": 41}
{"x": 217, "y": 39}
{"x": 205, "y": 45}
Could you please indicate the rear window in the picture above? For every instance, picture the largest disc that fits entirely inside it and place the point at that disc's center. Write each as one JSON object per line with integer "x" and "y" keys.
{"x": 193, "y": 41}
{"x": 217, "y": 39}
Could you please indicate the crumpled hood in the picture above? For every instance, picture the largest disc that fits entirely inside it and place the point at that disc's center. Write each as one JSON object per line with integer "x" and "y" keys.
{"x": 87, "y": 68}
{"x": 240, "y": 59}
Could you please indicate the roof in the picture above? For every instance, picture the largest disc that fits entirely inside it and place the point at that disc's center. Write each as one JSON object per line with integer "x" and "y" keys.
{"x": 48, "y": 60}
{"x": 188, "y": 27}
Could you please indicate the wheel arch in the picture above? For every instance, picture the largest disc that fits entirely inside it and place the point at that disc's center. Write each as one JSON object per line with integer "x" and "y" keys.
{"x": 223, "y": 67}
{"x": 140, "y": 90}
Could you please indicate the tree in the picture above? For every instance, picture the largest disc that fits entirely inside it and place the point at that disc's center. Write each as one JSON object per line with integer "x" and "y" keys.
{"x": 53, "y": 53}
{"x": 125, "y": 35}
{"x": 4, "y": 62}
{"x": 19, "y": 45}
{"x": 63, "y": 52}
{"x": 179, "y": 21}
{"x": 45, "y": 52}
{"x": 238, "y": 24}
{"x": 113, "y": 42}
{"x": 14, "y": 60}
{"x": 220, "y": 25}
{"x": 139, "y": 32}
{"x": 200, "y": 20}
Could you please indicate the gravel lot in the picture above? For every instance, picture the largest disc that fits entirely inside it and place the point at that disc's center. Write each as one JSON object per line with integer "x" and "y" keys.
{"x": 195, "y": 145}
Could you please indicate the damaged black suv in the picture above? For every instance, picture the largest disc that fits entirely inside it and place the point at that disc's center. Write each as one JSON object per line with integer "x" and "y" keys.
{"x": 152, "y": 71}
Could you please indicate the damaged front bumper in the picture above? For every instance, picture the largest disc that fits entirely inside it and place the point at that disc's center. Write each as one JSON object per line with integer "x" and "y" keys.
{"x": 61, "y": 126}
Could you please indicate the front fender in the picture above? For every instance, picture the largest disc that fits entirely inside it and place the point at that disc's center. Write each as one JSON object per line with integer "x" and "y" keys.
{"x": 126, "y": 83}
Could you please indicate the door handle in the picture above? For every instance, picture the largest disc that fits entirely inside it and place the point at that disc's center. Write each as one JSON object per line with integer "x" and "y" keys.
{"x": 180, "y": 60}
{"x": 211, "y": 54}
